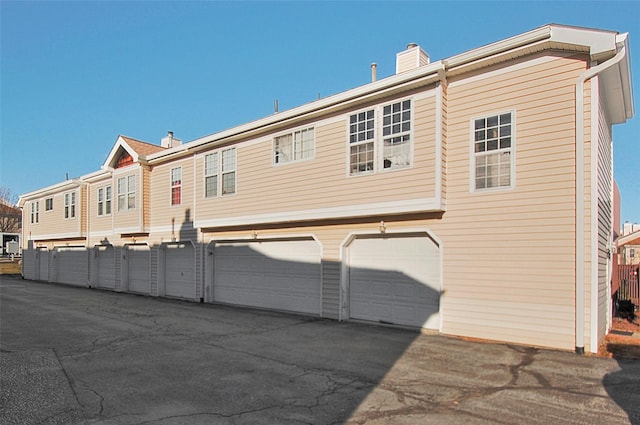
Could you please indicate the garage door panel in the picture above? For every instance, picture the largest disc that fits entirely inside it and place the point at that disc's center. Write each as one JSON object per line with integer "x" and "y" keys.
{"x": 280, "y": 275}
{"x": 395, "y": 280}
{"x": 106, "y": 278}
{"x": 180, "y": 271}
{"x": 72, "y": 267}
{"x": 139, "y": 271}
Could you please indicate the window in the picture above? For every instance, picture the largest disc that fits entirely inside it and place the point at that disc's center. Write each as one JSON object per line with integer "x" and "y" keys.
{"x": 294, "y": 146}
{"x": 211, "y": 175}
{"x": 176, "y": 186}
{"x": 632, "y": 252}
{"x": 70, "y": 205}
{"x": 48, "y": 204}
{"x": 228, "y": 171}
{"x": 492, "y": 147}
{"x": 35, "y": 212}
{"x": 126, "y": 193}
{"x": 395, "y": 149}
{"x": 104, "y": 200}
{"x": 221, "y": 164}
{"x": 361, "y": 142}
{"x": 396, "y": 135}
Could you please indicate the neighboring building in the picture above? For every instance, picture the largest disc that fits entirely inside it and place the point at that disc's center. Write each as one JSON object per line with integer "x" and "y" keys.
{"x": 10, "y": 227}
{"x": 471, "y": 195}
{"x": 629, "y": 244}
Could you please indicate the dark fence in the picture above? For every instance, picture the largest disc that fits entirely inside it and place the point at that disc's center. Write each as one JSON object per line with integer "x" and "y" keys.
{"x": 627, "y": 296}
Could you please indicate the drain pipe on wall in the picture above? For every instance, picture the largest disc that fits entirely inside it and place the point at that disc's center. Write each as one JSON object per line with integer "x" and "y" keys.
{"x": 580, "y": 175}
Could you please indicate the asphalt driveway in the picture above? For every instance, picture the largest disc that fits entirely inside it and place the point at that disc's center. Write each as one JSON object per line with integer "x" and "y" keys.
{"x": 84, "y": 356}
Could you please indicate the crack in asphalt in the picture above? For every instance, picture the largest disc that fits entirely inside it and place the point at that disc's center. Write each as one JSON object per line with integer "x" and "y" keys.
{"x": 70, "y": 382}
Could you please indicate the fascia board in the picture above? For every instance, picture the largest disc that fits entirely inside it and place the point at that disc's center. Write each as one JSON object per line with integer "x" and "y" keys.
{"x": 599, "y": 42}
{"x": 120, "y": 143}
{"x": 424, "y": 75}
{"x": 96, "y": 175}
{"x": 627, "y": 239}
{"x": 49, "y": 190}
{"x": 625, "y": 74}
{"x": 510, "y": 43}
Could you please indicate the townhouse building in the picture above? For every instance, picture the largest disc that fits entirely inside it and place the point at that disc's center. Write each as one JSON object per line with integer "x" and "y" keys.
{"x": 470, "y": 196}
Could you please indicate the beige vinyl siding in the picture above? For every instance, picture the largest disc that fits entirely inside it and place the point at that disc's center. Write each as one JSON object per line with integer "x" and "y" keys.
{"x": 167, "y": 218}
{"x": 323, "y": 181}
{"x": 127, "y": 221}
{"x": 590, "y": 148}
{"x": 445, "y": 110}
{"x": 146, "y": 199}
{"x": 52, "y": 224}
{"x": 605, "y": 220}
{"x": 101, "y": 223}
{"x": 507, "y": 230}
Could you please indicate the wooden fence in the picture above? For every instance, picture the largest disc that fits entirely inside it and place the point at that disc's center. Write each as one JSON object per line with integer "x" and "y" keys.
{"x": 629, "y": 284}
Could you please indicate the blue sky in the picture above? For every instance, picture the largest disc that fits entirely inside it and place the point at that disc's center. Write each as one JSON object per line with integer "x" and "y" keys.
{"x": 75, "y": 75}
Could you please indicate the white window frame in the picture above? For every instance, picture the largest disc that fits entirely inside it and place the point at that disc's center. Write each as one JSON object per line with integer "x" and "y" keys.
{"x": 361, "y": 134}
{"x": 487, "y": 153}
{"x": 48, "y": 202}
{"x": 296, "y": 146}
{"x": 70, "y": 205}
{"x": 104, "y": 201}
{"x": 401, "y": 132}
{"x": 35, "y": 212}
{"x": 175, "y": 183}
{"x": 211, "y": 173}
{"x": 375, "y": 127}
{"x": 127, "y": 193}
{"x": 221, "y": 169}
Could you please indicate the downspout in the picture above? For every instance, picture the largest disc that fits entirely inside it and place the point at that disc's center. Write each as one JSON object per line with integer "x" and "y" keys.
{"x": 580, "y": 174}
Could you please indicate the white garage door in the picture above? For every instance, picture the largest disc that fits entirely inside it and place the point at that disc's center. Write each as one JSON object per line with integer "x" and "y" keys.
{"x": 139, "y": 268}
{"x": 273, "y": 274}
{"x": 106, "y": 267}
{"x": 72, "y": 266}
{"x": 43, "y": 264}
{"x": 179, "y": 271}
{"x": 395, "y": 279}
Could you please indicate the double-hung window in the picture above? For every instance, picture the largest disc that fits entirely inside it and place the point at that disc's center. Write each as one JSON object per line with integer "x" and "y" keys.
{"x": 35, "y": 212}
{"x": 369, "y": 151}
{"x": 396, "y": 135}
{"x": 220, "y": 173}
{"x": 126, "y": 193}
{"x": 294, "y": 146}
{"x": 104, "y": 200}
{"x": 176, "y": 186}
{"x": 70, "y": 205}
{"x": 362, "y": 142}
{"x": 492, "y": 151}
{"x": 211, "y": 175}
{"x": 48, "y": 204}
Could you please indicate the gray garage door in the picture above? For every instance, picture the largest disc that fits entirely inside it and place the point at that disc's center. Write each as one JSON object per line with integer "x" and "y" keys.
{"x": 71, "y": 265}
{"x": 139, "y": 268}
{"x": 42, "y": 256}
{"x": 395, "y": 279}
{"x": 179, "y": 270}
{"x": 273, "y": 274}
{"x": 105, "y": 258}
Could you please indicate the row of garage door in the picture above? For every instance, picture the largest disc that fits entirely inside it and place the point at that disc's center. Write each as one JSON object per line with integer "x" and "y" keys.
{"x": 388, "y": 278}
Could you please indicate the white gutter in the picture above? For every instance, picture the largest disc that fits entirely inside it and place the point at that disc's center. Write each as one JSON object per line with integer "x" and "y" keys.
{"x": 580, "y": 174}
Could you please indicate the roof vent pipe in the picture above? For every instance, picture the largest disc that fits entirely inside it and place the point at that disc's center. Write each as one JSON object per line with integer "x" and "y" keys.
{"x": 373, "y": 71}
